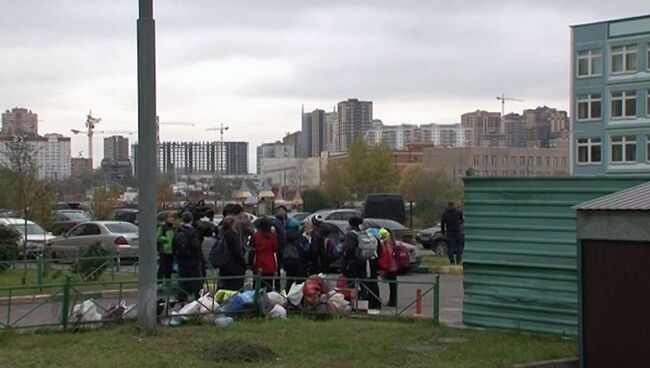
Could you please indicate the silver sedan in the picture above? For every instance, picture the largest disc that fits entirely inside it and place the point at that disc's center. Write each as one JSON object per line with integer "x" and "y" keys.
{"x": 115, "y": 236}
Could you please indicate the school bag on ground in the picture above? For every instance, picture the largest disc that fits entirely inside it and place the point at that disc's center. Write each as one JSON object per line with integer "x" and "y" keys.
{"x": 367, "y": 246}
{"x": 219, "y": 254}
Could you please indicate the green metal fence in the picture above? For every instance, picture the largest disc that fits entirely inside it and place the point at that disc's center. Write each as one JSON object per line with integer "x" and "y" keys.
{"x": 22, "y": 307}
{"x": 520, "y": 249}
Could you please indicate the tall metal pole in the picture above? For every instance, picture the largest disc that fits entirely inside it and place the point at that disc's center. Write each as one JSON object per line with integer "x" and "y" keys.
{"x": 147, "y": 168}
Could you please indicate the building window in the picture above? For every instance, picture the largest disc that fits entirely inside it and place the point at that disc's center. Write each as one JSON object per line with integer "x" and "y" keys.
{"x": 647, "y": 101}
{"x": 522, "y": 160}
{"x": 589, "y": 150}
{"x": 590, "y": 63}
{"x": 547, "y": 161}
{"x": 623, "y": 104}
{"x": 623, "y": 149}
{"x": 514, "y": 172}
{"x": 539, "y": 161}
{"x": 556, "y": 161}
{"x": 504, "y": 160}
{"x": 647, "y": 146}
{"x": 476, "y": 160}
{"x": 589, "y": 106}
{"x": 494, "y": 173}
{"x": 505, "y": 173}
{"x": 485, "y": 173}
{"x": 624, "y": 59}
{"x": 494, "y": 160}
{"x": 513, "y": 160}
{"x": 531, "y": 161}
{"x": 485, "y": 160}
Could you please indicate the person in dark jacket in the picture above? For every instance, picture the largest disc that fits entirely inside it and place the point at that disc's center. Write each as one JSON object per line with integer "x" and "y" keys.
{"x": 236, "y": 263}
{"x": 351, "y": 266}
{"x": 451, "y": 226}
{"x": 318, "y": 234}
{"x": 164, "y": 238}
{"x": 190, "y": 260}
{"x": 294, "y": 261}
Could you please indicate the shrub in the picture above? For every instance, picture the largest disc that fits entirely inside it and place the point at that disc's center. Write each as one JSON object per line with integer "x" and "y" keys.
{"x": 9, "y": 238}
{"x": 92, "y": 262}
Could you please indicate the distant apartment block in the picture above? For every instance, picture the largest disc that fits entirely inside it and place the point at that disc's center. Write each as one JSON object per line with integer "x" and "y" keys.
{"x": 274, "y": 150}
{"x": 516, "y": 130}
{"x": 80, "y": 167}
{"x": 331, "y": 131}
{"x": 116, "y": 148}
{"x": 51, "y": 153}
{"x": 200, "y": 158}
{"x": 610, "y": 97}
{"x": 545, "y": 123}
{"x": 485, "y": 128}
{"x": 293, "y": 139}
{"x": 397, "y": 137}
{"x": 354, "y": 120}
{"x": 19, "y": 121}
{"x": 495, "y": 161}
{"x": 446, "y": 135}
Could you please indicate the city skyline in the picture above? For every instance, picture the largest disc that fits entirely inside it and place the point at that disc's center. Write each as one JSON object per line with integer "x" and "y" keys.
{"x": 241, "y": 65}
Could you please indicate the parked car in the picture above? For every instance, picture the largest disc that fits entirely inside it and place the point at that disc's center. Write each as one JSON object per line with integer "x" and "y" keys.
{"x": 124, "y": 214}
{"x": 343, "y": 214}
{"x": 399, "y": 231}
{"x": 433, "y": 238}
{"x": 37, "y": 237}
{"x": 64, "y": 220}
{"x": 298, "y": 216}
{"x": 385, "y": 206}
{"x": 116, "y": 236}
{"x": 336, "y": 230}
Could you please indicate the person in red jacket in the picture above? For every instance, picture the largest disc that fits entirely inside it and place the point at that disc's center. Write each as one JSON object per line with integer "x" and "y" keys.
{"x": 266, "y": 247}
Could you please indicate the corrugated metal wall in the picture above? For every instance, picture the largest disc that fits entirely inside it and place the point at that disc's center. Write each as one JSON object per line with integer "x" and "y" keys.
{"x": 520, "y": 249}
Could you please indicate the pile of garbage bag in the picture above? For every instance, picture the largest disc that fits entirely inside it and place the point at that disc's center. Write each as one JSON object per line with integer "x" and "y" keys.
{"x": 86, "y": 314}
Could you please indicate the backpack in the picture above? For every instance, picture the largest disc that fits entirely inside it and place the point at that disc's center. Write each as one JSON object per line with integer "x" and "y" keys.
{"x": 367, "y": 246}
{"x": 333, "y": 249}
{"x": 402, "y": 256}
{"x": 181, "y": 242}
{"x": 290, "y": 255}
{"x": 219, "y": 254}
{"x": 384, "y": 261}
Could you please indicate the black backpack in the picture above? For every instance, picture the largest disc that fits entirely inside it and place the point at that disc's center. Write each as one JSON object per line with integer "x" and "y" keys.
{"x": 219, "y": 254}
{"x": 180, "y": 243}
{"x": 290, "y": 256}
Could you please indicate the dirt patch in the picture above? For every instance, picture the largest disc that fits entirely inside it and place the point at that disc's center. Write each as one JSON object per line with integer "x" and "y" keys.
{"x": 238, "y": 351}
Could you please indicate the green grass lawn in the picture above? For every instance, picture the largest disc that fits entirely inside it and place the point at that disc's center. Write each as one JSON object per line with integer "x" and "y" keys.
{"x": 296, "y": 342}
{"x": 431, "y": 261}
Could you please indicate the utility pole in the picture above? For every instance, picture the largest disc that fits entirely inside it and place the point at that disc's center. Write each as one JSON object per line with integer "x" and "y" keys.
{"x": 148, "y": 168}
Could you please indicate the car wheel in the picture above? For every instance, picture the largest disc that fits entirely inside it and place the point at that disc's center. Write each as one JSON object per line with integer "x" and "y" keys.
{"x": 440, "y": 248}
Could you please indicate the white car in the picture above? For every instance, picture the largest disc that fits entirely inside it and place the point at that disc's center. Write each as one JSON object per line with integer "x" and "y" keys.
{"x": 120, "y": 237}
{"x": 37, "y": 237}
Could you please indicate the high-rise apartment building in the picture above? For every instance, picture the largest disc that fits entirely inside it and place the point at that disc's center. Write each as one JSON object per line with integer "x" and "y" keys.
{"x": 610, "y": 97}
{"x": 331, "y": 130}
{"x": 293, "y": 139}
{"x": 116, "y": 148}
{"x": 397, "y": 137}
{"x": 80, "y": 167}
{"x": 545, "y": 123}
{"x": 516, "y": 130}
{"x": 19, "y": 121}
{"x": 317, "y": 133}
{"x": 306, "y": 141}
{"x": 200, "y": 158}
{"x": 485, "y": 127}
{"x": 446, "y": 135}
{"x": 51, "y": 154}
{"x": 354, "y": 120}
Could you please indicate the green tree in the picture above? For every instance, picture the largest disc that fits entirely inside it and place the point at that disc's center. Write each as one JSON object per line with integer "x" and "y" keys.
{"x": 314, "y": 200}
{"x": 382, "y": 175}
{"x": 334, "y": 183}
{"x": 356, "y": 170}
{"x": 224, "y": 188}
{"x": 164, "y": 193}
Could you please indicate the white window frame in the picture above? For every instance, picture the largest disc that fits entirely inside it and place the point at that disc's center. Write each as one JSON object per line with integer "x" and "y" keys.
{"x": 589, "y": 100}
{"x": 589, "y": 55}
{"x": 624, "y": 51}
{"x": 623, "y": 98}
{"x": 588, "y": 143}
{"x": 647, "y": 147}
{"x": 647, "y": 100}
{"x": 623, "y": 143}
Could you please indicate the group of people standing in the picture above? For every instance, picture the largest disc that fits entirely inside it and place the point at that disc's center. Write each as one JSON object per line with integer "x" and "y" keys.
{"x": 274, "y": 244}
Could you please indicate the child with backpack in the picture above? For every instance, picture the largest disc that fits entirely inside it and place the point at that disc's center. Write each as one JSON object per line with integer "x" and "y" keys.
{"x": 187, "y": 248}
{"x": 294, "y": 260}
{"x": 387, "y": 264}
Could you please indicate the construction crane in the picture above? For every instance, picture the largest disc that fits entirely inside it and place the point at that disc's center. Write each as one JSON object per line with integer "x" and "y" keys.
{"x": 221, "y": 129}
{"x": 91, "y": 122}
{"x": 503, "y": 98}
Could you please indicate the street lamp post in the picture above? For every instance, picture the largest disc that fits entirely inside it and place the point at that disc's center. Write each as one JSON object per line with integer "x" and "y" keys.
{"x": 147, "y": 169}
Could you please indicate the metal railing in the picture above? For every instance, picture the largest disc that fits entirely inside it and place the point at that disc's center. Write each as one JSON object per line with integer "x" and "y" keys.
{"x": 53, "y": 308}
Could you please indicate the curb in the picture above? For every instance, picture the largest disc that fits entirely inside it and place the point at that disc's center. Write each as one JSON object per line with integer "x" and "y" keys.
{"x": 95, "y": 294}
{"x": 556, "y": 363}
{"x": 447, "y": 270}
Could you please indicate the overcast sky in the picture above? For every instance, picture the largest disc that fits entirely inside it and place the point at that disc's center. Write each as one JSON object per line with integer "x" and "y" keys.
{"x": 252, "y": 64}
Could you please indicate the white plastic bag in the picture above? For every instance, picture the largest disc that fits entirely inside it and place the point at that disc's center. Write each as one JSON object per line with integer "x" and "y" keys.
{"x": 191, "y": 308}
{"x": 337, "y": 303}
{"x": 86, "y": 312}
{"x": 276, "y": 298}
{"x": 295, "y": 293}
{"x": 278, "y": 312}
{"x": 207, "y": 304}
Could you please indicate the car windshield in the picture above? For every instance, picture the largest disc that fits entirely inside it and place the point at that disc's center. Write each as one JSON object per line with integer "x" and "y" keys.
{"x": 122, "y": 228}
{"x": 32, "y": 229}
{"x": 74, "y": 216}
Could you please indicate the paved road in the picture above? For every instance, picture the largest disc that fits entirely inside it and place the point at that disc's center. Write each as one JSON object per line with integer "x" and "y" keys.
{"x": 451, "y": 294}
